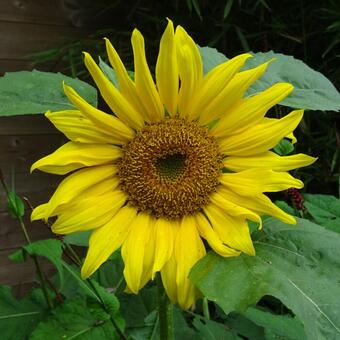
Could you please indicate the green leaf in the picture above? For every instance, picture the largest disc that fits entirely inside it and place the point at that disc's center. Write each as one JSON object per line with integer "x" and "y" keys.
{"x": 76, "y": 319}
{"x": 282, "y": 326}
{"x": 325, "y": 210}
{"x": 18, "y": 318}
{"x": 211, "y": 58}
{"x": 312, "y": 90}
{"x": 296, "y": 264}
{"x": 211, "y": 330}
{"x": 50, "y": 248}
{"x": 287, "y": 208}
{"x": 30, "y": 92}
{"x": 284, "y": 148}
{"x": 79, "y": 238}
{"x": 15, "y": 204}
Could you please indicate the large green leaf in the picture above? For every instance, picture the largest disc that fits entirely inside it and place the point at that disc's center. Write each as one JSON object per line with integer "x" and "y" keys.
{"x": 312, "y": 90}
{"x": 29, "y": 92}
{"x": 325, "y": 210}
{"x": 49, "y": 248}
{"x": 211, "y": 58}
{"x": 77, "y": 318}
{"x": 19, "y": 318}
{"x": 296, "y": 264}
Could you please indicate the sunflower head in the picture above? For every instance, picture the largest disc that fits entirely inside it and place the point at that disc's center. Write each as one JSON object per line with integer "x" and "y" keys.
{"x": 180, "y": 159}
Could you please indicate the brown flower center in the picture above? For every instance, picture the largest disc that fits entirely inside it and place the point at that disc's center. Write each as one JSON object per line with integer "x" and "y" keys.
{"x": 170, "y": 168}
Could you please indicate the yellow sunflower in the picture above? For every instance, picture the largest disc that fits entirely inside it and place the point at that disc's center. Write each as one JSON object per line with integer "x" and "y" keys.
{"x": 182, "y": 159}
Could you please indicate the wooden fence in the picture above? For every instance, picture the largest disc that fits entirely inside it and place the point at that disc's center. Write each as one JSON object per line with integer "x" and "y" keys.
{"x": 26, "y": 26}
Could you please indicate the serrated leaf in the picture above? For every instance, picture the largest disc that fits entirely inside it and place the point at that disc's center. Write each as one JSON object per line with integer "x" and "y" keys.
{"x": 77, "y": 318}
{"x": 15, "y": 204}
{"x": 296, "y": 264}
{"x": 30, "y": 92}
{"x": 312, "y": 90}
{"x": 18, "y": 317}
{"x": 325, "y": 210}
{"x": 282, "y": 326}
{"x": 50, "y": 248}
{"x": 211, "y": 58}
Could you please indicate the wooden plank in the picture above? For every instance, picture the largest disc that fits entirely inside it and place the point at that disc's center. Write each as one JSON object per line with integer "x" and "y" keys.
{"x": 18, "y": 153}
{"x": 11, "y": 235}
{"x": 26, "y": 125}
{"x": 33, "y": 11}
{"x": 18, "y": 40}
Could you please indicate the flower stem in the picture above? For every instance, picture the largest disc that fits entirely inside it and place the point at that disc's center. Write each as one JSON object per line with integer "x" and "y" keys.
{"x": 165, "y": 312}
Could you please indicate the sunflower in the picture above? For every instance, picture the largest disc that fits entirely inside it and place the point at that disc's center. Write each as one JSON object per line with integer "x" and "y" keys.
{"x": 182, "y": 159}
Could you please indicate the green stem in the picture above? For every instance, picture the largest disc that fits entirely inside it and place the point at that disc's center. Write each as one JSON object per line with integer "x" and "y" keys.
{"x": 206, "y": 312}
{"x": 165, "y": 312}
{"x": 37, "y": 266}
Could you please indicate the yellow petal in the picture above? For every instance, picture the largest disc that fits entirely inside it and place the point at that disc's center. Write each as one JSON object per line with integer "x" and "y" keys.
{"x": 250, "y": 110}
{"x": 167, "y": 70}
{"x": 126, "y": 85}
{"x": 76, "y": 183}
{"x": 268, "y": 160}
{"x": 206, "y": 231}
{"x": 168, "y": 273}
{"x": 100, "y": 188}
{"x": 232, "y": 230}
{"x": 134, "y": 249}
{"x": 100, "y": 118}
{"x": 256, "y": 181}
{"x": 107, "y": 239}
{"x": 259, "y": 203}
{"x": 190, "y": 70}
{"x": 215, "y": 82}
{"x": 233, "y": 209}
{"x": 89, "y": 213}
{"x": 76, "y": 127}
{"x": 144, "y": 83}
{"x": 231, "y": 94}
{"x": 261, "y": 137}
{"x": 117, "y": 103}
{"x": 188, "y": 250}
{"x": 73, "y": 156}
{"x": 165, "y": 231}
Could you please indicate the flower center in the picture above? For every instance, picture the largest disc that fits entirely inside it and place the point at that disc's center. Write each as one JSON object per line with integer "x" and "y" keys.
{"x": 170, "y": 168}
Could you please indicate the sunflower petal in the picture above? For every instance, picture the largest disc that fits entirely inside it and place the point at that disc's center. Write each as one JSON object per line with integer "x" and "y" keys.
{"x": 168, "y": 273}
{"x": 268, "y": 160}
{"x": 231, "y": 94}
{"x": 117, "y": 103}
{"x": 100, "y": 118}
{"x": 144, "y": 83}
{"x": 261, "y": 137}
{"x": 134, "y": 251}
{"x": 89, "y": 213}
{"x": 259, "y": 203}
{"x": 164, "y": 240}
{"x": 188, "y": 250}
{"x": 232, "y": 230}
{"x": 167, "y": 70}
{"x": 73, "y": 185}
{"x": 190, "y": 70}
{"x": 107, "y": 239}
{"x": 215, "y": 82}
{"x": 72, "y": 156}
{"x": 256, "y": 181}
{"x": 76, "y": 127}
{"x": 206, "y": 231}
{"x": 250, "y": 110}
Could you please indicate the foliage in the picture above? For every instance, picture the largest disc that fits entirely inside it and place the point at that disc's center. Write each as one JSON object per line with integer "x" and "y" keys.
{"x": 37, "y": 92}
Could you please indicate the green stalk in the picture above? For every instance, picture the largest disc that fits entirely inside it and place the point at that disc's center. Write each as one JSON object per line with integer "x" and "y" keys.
{"x": 165, "y": 312}
{"x": 205, "y": 305}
